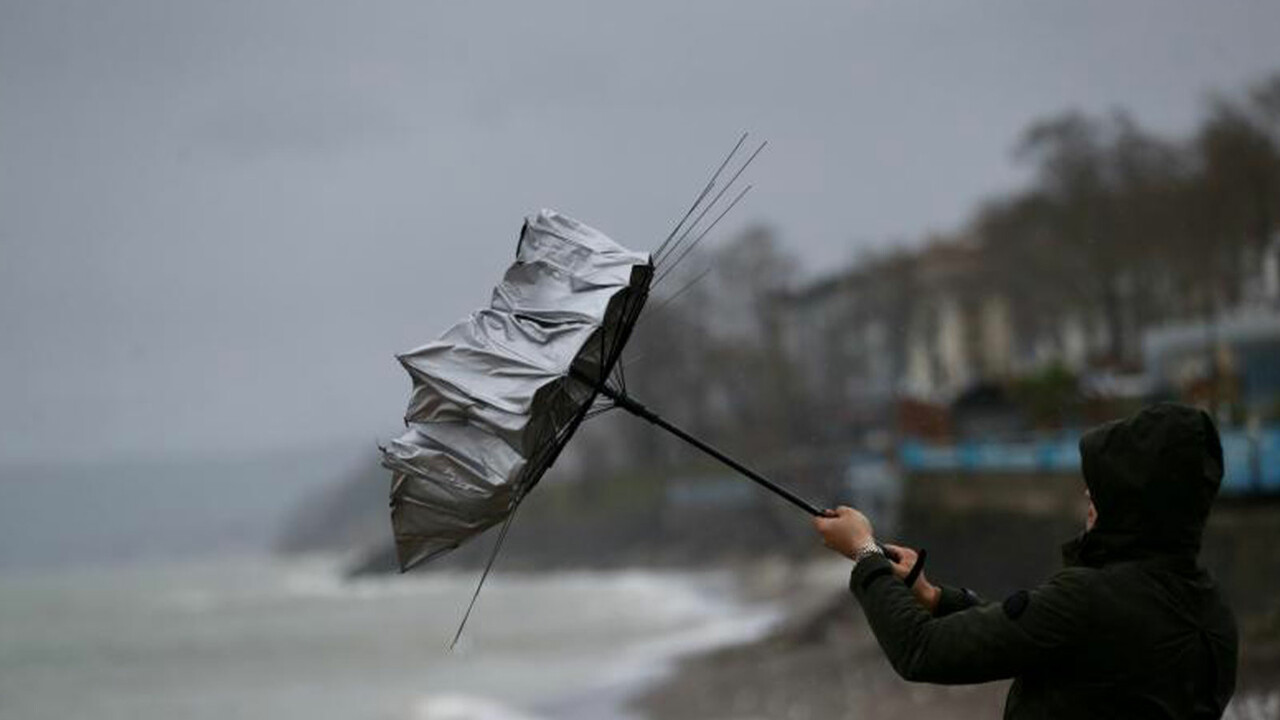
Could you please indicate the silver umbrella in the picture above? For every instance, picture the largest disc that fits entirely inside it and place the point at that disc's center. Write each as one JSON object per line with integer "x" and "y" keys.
{"x": 498, "y": 396}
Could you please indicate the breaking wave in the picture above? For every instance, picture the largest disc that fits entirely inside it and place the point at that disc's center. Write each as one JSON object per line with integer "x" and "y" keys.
{"x": 466, "y": 707}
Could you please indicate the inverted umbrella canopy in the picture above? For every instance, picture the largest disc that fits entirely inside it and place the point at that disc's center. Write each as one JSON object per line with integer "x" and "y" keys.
{"x": 497, "y": 397}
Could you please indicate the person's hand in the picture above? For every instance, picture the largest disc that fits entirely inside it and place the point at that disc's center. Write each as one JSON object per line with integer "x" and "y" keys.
{"x": 844, "y": 530}
{"x": 926, "y": 594}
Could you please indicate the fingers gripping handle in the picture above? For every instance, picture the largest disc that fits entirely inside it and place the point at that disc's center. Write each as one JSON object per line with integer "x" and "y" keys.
{"x": 917, "y": 569}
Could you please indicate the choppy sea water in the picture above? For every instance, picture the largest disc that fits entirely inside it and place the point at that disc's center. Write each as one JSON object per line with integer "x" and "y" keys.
{"x": 271, "y": 638}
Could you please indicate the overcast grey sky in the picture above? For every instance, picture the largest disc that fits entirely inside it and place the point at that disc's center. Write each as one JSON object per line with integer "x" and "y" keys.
{"x": 218, "y": 221}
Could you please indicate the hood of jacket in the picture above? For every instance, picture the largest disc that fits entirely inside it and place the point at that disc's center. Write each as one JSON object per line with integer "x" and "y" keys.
{"x": 1152, "y": 477}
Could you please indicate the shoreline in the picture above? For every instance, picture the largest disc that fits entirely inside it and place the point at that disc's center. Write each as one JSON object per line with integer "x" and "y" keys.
{"x": 759, "y": 597}
{"x": 821, "y": 661}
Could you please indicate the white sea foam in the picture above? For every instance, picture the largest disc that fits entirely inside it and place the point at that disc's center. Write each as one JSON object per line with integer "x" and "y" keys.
{"x": 655, "y": 658}
{"x": 663, "y": 616}
{"x": 247, "y": 632}
{"x": 323, "y": 577}
{"x": 465, "y": 707}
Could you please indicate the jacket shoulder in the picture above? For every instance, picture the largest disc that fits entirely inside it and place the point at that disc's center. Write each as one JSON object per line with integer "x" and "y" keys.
{"x": 1065, "y": 600}
{"x": 1075, "y": 581}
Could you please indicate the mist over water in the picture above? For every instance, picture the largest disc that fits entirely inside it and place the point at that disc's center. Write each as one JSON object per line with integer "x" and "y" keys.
{"x": 258, "y": 638}
{"x": 83, "y": 513}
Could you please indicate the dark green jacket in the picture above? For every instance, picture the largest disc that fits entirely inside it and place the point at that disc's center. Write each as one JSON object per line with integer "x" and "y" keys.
{"x": 1131, "y": 628}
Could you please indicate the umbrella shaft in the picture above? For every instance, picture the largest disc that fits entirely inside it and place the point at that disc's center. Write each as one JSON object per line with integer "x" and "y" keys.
{"x": 625, "y": 402}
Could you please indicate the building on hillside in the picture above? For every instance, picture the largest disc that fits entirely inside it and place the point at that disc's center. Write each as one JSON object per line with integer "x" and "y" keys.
{"x": 1261, "y": 289}
{"x": 1230, "y": 362}
{"x": 882, "y": 343}
{"x": 924, "y": 326}
{"x": 960, "y": 331}
{"x": 845, "y": 338}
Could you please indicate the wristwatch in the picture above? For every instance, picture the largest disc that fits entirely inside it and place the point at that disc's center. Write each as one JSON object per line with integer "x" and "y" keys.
{"x": 865, "y": 550}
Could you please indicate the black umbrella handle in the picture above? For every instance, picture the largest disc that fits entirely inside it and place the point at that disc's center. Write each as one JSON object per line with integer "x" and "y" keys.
{"x": 626, "y": 402}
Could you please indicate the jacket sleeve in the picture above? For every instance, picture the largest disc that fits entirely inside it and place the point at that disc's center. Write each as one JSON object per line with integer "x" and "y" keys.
{"x": 953, "y": 599}
{"x": 978, "y": 644}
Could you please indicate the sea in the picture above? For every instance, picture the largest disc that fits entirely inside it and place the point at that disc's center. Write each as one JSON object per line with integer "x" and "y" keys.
{"x": 271, "y": 637}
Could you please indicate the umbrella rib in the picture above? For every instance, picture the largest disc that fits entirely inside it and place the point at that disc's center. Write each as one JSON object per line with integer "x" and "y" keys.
{"x": 493, "y": 556}
{"x": 639, "y": 357}
{"x": 706, "y": 190}
{"x": 697, "y": 240}
{"x": 684, "y": 289}
{"x": 618, "y": 375}
{"x": 597, "y": 412}
{"x": 642, "y": 322}
{"x": 619, "y": 372}
{"x": 604, "y": 349}
{"x": 702, "y": 195}
{"x": 502, "y": 534}
{"x": 712, "y": 204}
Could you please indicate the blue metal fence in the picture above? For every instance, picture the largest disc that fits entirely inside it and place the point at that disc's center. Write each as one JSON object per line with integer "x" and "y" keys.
{"x": 1253, "y": 463}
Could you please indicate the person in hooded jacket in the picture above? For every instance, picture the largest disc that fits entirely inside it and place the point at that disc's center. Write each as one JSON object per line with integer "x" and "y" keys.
{"x": 1131, "y": 627}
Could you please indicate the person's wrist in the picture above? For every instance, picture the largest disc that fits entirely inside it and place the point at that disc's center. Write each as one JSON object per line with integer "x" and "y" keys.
{"x": 864, "y": 549}
{"x": 930, "y": 595}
